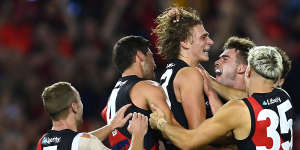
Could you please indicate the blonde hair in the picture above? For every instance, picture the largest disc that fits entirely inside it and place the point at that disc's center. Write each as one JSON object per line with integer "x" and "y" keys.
{"x": 171, "y": 29}
{"x": 266, "y": 61}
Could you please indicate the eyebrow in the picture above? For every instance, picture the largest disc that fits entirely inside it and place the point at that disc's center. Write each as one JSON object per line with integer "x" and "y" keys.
{"x": 205, "y": 34}
{"x": 222, "y": 56}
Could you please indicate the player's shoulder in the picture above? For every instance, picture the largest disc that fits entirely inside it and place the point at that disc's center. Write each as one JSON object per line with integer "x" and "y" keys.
{"x": 189, "y": 72}
{"x": 148, "y": 84}
{"x": 89, "y": 141}
{"x": 237, "y": 106}
{"x": 86, "y": 135}
{"x": 188, "y": 75}
{"x": 148, "y": 87}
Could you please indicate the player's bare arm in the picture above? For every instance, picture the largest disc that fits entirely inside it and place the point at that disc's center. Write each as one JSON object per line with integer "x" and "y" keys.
{"x": 188, "y": 86}
{"x": 233, "y": 116}
{"x": 152, "y": 93}
{"x": 118, "y": 121}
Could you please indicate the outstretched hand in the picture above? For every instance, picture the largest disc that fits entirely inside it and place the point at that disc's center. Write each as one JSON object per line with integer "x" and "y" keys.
{"x": 138, "y": 125}
{"x": 157, "y": 118}
{"x": 119, "y": 120}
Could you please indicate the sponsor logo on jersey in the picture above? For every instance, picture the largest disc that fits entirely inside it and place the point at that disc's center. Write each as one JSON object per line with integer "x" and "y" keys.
{"x": 272, "y": 101}
{"x": 47, "y": 140}
{"x": 170, "y": 65}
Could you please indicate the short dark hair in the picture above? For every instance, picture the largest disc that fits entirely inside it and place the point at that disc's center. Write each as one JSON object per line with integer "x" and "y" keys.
{"x": 286, "y": 62}
{"x": 57, "y": 98}
{"x": 171, "y": 31}
{"x": 125, "y": 49}
{"x": 242, "y": 45}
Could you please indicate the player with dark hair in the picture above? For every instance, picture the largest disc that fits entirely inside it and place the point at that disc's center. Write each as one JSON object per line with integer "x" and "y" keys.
{"x": 134, "y": 60}
{"x": 230, "y": 68}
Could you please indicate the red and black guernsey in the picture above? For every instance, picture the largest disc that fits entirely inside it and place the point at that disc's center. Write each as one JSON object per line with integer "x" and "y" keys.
{"x": 166, "y": 81}
{"x": 58, "y": 140}
{"x": 272, "y": 119}
{"x": 119, "y": 139}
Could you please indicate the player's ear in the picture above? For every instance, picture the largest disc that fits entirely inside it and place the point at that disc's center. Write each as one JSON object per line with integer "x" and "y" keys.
{"x": 139, "y": 56}
{"x": 75, "y": 107}
{"x": 241, "y": 68}
{"x": 186, "y": 44}
{"x": 280, "y": 82}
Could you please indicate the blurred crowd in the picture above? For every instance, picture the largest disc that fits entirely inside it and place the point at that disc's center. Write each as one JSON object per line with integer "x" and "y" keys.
{"x": 46, "y": 41}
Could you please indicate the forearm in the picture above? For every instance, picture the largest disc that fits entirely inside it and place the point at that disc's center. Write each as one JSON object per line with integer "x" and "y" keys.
{"x": 137, "y": 142}
{"x": 226, "y": 92}
{"x": 178, "y": 136}
{"x": 214, "y": 102}
{"x": 103, "y": 132}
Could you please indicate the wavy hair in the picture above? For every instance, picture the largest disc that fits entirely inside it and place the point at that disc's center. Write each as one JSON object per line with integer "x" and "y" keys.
{"x": 171, "y": 29}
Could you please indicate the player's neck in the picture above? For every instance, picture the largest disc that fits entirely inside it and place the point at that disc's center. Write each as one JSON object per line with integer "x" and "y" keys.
{"x": 64, "y": 124}
{"x": 133, "y": 70}
{"x": 239, "y": 83}
{"x": 260, "y": 85}
{"x": 189, "y": 61}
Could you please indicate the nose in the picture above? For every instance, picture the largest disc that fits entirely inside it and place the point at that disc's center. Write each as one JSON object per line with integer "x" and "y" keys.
{"x": 210, "y": 41}
{"x": 218, "y": 62}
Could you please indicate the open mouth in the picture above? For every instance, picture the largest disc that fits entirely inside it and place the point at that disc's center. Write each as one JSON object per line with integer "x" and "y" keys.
{"x": 218, "y": 72}
{"x": 205, "y": 51}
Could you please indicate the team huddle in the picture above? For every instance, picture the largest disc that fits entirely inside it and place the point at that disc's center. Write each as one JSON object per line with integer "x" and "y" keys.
{"x": 243, "y": 107}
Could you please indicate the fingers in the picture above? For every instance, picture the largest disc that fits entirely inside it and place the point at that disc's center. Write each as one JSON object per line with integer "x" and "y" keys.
{"x": 124, "y": 108}
{"x": 139, "y": 117}
{"x": 127, "y": 117}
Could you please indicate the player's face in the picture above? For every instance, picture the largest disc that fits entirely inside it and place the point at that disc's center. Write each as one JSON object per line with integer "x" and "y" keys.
{"x": 200, "y": 43}
{"x": 149, "y": 66}
{"x": 79, "y": 119}
{"x": 226, "y": 67}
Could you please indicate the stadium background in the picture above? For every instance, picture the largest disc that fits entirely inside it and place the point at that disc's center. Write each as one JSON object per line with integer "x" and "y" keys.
{"x": 45, "y": 41}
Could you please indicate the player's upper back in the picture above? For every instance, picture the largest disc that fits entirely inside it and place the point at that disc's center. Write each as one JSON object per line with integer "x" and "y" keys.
{"x": 69, "y": 140}
{"x": 120, "y": 96}
{"x": 60, "y": 140}
{"x": 271, "y": 121}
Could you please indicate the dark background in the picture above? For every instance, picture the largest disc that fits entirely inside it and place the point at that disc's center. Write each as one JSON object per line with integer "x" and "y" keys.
{"x": 46, "y": 41}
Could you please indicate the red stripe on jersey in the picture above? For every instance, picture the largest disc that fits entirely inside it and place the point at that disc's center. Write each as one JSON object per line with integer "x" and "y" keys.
{"x": 39, "y": 146}
{"x": 260, "y": 134}
{"x": 103, "y": 114}
{"x": 116, "y": 138}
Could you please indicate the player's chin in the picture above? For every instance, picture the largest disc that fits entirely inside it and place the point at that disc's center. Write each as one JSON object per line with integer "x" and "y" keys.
{"x": 218, "y": 78}
{"x": 204, "y": 58}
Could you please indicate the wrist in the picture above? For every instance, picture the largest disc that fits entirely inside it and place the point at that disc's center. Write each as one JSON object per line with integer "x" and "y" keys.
{"x": 111, "y": 127}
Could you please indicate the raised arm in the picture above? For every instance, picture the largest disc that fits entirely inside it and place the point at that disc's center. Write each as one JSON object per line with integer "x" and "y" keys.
{"x": 224, "y": 120}
{"x": 118, "y": 121}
